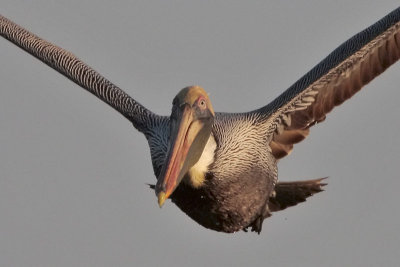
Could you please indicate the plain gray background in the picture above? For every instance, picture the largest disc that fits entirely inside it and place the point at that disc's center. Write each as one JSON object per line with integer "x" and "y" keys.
{"x": 73, "y": 171}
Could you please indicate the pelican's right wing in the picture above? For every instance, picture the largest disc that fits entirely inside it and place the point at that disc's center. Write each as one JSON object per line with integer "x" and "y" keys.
{"x": 80, "y": 73}
{"x": 335, "y": 79}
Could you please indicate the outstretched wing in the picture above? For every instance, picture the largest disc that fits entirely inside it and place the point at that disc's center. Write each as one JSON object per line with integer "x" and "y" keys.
{"x": 335, "y": 79}
{"x": 80, "y": 73}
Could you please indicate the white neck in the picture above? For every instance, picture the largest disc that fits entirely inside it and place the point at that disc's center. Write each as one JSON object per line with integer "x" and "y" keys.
{"x": 196, "y": 174}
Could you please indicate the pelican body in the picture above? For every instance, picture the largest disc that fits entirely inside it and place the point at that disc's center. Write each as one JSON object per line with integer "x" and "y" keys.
{"x": 221, "y": 168}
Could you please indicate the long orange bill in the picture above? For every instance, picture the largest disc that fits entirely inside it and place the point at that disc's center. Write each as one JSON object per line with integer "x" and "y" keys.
{"x": 177, "y": 164}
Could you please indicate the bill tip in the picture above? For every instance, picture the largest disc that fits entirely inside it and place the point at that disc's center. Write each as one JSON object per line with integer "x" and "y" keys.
{"x": 161, "y": 198}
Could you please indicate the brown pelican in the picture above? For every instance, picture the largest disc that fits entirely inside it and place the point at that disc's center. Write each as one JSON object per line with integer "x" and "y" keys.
{"x": 220, "y": 168}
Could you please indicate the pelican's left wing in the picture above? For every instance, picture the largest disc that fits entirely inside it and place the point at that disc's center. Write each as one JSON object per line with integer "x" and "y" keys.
{"x": 335, "y": 79}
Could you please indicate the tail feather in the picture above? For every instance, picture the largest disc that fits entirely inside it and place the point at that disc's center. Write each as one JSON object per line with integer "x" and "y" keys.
{"x": 291, "y": 193}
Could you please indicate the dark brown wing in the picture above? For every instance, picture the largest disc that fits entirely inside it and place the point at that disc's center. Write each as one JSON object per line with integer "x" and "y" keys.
{"x": 337, "y": 78}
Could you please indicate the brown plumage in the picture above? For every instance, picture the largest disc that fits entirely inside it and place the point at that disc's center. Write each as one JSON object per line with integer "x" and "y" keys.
{"x": 221, "y": 168}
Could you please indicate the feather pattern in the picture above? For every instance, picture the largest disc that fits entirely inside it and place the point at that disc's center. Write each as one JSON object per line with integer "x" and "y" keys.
{"x": 243, "y": 163}
{"x": 73, "y": 68}
{"x": 335, "y": 79}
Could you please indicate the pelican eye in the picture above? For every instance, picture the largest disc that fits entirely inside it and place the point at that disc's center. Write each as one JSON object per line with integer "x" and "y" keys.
{"x": 202, "y": 103}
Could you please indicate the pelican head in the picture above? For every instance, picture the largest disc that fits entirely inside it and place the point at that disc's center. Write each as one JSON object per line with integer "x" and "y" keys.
{"x": 191, "y": 121}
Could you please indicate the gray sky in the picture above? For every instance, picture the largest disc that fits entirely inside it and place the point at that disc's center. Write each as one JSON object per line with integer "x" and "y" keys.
{"x": 73, "y": 171}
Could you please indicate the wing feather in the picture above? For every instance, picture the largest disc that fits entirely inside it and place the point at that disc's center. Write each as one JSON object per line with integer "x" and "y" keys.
{"x": 73, "y": 68}
{"x": 337, "y": 78}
